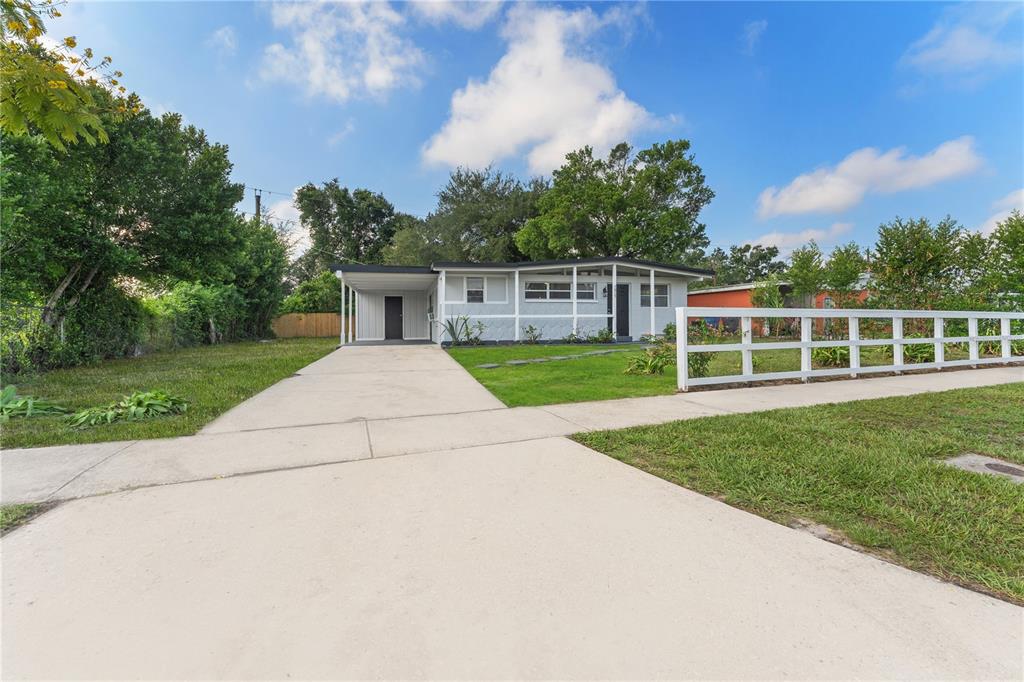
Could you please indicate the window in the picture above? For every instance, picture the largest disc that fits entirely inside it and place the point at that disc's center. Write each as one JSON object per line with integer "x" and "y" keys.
{"x": 474, "y": 290}
{"x": 560, "y": 290}
{"x": 660, "y": 295}
{"x": 548, "y": 291}
{"x": 586, "y": 291}
{"x": 537, "y": 291}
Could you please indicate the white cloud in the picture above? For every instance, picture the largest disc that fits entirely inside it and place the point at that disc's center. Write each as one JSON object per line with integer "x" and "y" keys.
{"x": 468, "y": 15}
{"x": 342, "y": 50}
{"x": 224, "y": 41}
{"x": 967, "y": 40}
{"x": 1014, "y": 201}
{"x": 346, "y": 130}
{"x": 787, "y": 241}
{"x": 752, "y": 31}
{"x": 286, "y": 216}
{"x": 831, "y": 190}
{"x": 545, "y": 97}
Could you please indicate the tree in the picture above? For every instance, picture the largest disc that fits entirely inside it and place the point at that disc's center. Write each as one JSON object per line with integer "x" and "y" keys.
{"x": 155, "y": 204}
{"x": 52, "y": 91}
{"x": 353, "y": 226}
{"x": 320, "y": 294}
{"x": 643, "y": 206}
{"x": 1005, "y": 272}
{"x": 842, "y": 273}
{"x": 768, "y": 294}
{"x": 914, "y": 264}
{"x": 746, "y": 263}
{"x": 478, "y": 215}
{"x": 806, "y": 273}
{"x": 258, "y": 273}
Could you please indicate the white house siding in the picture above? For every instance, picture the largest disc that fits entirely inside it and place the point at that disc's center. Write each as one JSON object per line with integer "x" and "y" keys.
{"x": 370, "y": 315}
{"x": 503, "y": 328}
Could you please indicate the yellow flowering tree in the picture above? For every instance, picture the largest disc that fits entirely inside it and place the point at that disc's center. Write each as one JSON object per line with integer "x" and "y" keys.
{"x": 45, "y": 86}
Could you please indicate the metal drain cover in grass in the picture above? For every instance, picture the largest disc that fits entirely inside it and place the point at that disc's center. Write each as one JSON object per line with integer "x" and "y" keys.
{"x": 981, "y": 464}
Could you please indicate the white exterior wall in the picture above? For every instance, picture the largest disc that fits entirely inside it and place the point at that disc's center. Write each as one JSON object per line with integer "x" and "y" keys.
{"x": 503, "y": 328}
{"x": 370, "y": 315}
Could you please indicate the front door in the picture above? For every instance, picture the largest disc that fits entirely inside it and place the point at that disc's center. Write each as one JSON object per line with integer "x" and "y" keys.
{"x": 393, "y": 317}
{"x": 622, "y": 310}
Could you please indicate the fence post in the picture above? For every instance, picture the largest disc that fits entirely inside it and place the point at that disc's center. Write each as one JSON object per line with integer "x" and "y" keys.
{"x": 747, "y": 327}
{"x": 1004, "y": 331}
{"x": 972, "y": 342}
{"x": 854, "y": 323}
{"x": 682, "y": 340}
{"x": 940, "y": 346}
{"x": 897, "y": 347}
{"x": 806, "y": 336}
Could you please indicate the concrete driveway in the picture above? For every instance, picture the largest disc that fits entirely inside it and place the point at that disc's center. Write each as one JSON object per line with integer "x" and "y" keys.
{"x": 535, "y": 559}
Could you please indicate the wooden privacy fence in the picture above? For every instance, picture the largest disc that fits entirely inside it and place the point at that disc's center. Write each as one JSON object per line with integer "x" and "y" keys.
{"x": 307, "y": 325}
{"x": 1006, "y": 322}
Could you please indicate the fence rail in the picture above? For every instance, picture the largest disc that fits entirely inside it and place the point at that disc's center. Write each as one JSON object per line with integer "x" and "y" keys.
{"x": 854, "y": 342}
{"x": 307, "y": 325}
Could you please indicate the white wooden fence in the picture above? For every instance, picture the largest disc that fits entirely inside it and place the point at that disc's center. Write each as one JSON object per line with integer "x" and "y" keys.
{"x": 808, "y": 316}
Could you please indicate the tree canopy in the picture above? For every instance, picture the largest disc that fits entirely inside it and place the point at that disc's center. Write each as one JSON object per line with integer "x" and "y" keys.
{"x": 643, "y": 205}
{"x": 348, "y": 225}
{"x": 745, "y": 263}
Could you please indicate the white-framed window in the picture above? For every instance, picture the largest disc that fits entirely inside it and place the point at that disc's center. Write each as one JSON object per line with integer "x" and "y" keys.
{"x": 474, "y": 290}
{"x": 660, "y": 295}
{"x": 586, "y": 291}
{"x": 548, "y": 291}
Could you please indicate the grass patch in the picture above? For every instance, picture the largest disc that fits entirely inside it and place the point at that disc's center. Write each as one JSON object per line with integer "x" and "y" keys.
{"x": 212, "y": 379}
{"x": 869, "y": 470}
{"x": 13, "y": 515}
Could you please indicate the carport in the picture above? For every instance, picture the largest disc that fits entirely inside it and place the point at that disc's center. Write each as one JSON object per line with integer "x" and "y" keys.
{"x": 387, "y": 303}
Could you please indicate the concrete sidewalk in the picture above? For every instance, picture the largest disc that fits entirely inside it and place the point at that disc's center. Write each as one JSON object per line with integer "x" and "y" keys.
{"x": 396, "y": 419}
{"x": 538, "y": 560}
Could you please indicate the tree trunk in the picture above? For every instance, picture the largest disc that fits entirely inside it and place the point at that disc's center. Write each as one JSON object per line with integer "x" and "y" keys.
{"x": 55, "y": 297}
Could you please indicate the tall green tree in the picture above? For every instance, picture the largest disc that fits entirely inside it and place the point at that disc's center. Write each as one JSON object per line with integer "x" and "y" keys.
{"x": 348, "y": 225}
{"x": 1005, "y": 271}
{"x": 643, "y": 205}
{"x": 806, "y": 273}
{"x": 745, "y": 263}
{"x": 842, "y": 273}
{"x": 155, "y": 204}
{"x": 914, "y": 264}
{"x": 258, "y": 273}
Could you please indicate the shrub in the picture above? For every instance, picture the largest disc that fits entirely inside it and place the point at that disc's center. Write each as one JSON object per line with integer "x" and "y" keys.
{"x": 532, "y": 334}
{"x": 838, "y": 356}
{"x": 652, "y": 360}
{"x": 138, "y": 405}
{"x": 460, "y": 331}
{"x": 321, "y": 294}
{"x": 602, "y": 335}
{"x": 919, "y": 352}
{"x": 13, "y": 405}
{"x": 573, "y": 337}
{"x": 700, "y": 333}
{"x": 669, "y": 332}
{"x": 192, "y": 314}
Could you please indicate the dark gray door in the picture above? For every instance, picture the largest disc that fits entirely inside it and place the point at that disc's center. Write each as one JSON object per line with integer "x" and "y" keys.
{"x": 392, "y": 317}
{"x": 622, "y": 312}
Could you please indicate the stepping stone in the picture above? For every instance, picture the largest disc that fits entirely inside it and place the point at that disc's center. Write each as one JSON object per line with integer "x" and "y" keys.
{"x": 488, "y": 365}
{"x": 517, "y": 362}
{"x": 539, "y": 359}
{"x": 560, "y": 357}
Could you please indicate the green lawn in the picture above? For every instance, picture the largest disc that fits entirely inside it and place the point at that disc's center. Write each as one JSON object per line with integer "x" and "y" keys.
{"x": 13, "y": 515}
{"x": 211, "y": 378}
{"x": 868, "y": 470}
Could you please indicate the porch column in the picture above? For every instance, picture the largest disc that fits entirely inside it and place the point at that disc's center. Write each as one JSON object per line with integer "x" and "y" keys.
{"x": 615, "y": 303}
{"x": 348, "y": 303}
{"x": 515, "y": 287}
{"x": 341, "y": 334}
{"x": 652, "y": 302}
{"x": 354, "y": 312}
{"x": 441, "y": 288}
{"x": 575, "y": 324}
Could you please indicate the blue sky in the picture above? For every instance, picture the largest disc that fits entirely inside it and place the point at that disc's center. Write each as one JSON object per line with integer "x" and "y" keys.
{"x": 810, "y": 120}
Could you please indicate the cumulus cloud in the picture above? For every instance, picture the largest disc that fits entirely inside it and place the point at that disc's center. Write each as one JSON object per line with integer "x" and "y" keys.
{"x": 835, "y": 189}
{"x": 468, "y": 15}
{"x": 285, "y": 216}
{"x": 967, "y": 40}
{"x": 751, "y": 36}
{"x": 787, "y": 241}
{"x": 1014, "y": 201}
{"x": 224, "y": 41}
{"x": 342, "y": 50}
{"x": 544, "y": 98}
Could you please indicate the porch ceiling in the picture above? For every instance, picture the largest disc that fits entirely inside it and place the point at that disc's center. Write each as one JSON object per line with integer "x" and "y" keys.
{"x": 390, "y": 281}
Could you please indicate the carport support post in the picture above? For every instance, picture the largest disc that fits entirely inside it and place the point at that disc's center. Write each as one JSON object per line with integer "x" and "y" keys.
{"x": 575, "y": 324}
{"x": 441, "y": 290}
{"x": 352, "y": 335}
{"x": 348, "y": 314}
{"x": 515, "y": 285}
{"x": 652, "y": 303}
{"x": 615, "y": 307}
{"x": 341, "y": 335}
{"x": 682, "y": 363}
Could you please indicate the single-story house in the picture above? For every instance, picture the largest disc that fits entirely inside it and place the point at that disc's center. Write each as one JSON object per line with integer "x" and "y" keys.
{"x": 513, "y": 301}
